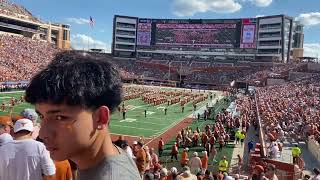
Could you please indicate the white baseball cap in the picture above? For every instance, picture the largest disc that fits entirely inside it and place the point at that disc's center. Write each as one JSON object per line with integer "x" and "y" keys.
{"x": 23, "y": 124}
{"x": 174, "y": 170}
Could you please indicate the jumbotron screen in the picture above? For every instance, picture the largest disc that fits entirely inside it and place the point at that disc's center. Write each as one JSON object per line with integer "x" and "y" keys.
{"x": 215, "y": 33}
{"x": 204, "y": 35}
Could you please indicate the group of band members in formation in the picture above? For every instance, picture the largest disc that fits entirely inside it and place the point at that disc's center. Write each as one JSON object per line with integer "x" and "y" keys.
{"x": 8, "y": 106}
{"x": 156, "y": 96}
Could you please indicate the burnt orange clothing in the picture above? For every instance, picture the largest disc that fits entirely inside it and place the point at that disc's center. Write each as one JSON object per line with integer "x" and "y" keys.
{"x": 141, "y": 160}
{"x": 63, "y": 170}
{"x": 184, "y": 158}
{"x": 204, "y": 161}
{"x": 5, "y": 120}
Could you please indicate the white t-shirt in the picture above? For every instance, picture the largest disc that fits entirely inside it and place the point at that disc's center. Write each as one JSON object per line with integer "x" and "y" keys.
{"x": 274, "y": 151}
{"x": 4, "y": 138}
{"x": 25, "y": 160}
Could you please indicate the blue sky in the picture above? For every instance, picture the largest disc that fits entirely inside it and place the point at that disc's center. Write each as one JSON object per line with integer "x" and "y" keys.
{"x": 77, "y": 13}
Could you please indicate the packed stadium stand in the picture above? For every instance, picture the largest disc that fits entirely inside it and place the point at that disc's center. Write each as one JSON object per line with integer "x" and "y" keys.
{"x": 12, "y": 9}
{"x": 22, "y": 57}
{"x": 282, "y": 109}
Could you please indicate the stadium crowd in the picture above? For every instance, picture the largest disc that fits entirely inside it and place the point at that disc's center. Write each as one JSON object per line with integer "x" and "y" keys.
{"x": 12, "y": 9}
{"x": 291, "y": 110}
{"x": 22, "y": 57}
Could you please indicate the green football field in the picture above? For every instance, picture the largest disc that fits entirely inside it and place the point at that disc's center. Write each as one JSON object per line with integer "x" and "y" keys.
{"x": 135, "y": 124}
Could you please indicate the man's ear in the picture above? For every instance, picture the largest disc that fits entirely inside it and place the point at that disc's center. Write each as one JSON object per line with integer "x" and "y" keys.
{"x": 103, "y": 117}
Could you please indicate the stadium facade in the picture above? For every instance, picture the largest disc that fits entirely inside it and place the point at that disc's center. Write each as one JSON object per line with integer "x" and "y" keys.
{"x": 18, "y": 21}
{"x": 261, "y": 39}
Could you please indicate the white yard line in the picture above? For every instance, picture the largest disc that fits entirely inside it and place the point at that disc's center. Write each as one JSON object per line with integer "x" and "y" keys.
{"x": 11, "y": 92}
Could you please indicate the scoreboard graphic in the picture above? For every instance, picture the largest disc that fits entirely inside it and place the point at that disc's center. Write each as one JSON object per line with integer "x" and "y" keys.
{"x": 248, "y": 34}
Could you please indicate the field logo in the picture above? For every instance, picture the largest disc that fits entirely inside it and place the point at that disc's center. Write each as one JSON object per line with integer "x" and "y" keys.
{"x": 132, "y": 107}
{"x": 150, "y": 112}
{"x": 161, "y": 107}
{"x": 128, "y": 120}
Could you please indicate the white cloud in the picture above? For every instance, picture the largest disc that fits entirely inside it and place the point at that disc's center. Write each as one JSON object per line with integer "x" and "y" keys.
{"x": 312, "y": 49}
{"x": 261, "y": 3}
{"x": 191, "y": 7}
{"x": 77, "y": 20}
{"x": 259, "y": 15}
{"x": 81, "y": 41}
{"x": 309, "y": 19}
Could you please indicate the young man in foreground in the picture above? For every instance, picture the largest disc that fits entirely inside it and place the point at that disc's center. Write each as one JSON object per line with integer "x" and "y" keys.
{"x": 74, "y": 97}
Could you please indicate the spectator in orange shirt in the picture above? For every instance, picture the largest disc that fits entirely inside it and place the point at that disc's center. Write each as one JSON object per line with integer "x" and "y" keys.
{"x": 174, "y": 151}
{"x": 204, "y": 161}
{"x": 184, "y": 157}
{"x": 63, "y": 170}
{"x": 141, "y": 159}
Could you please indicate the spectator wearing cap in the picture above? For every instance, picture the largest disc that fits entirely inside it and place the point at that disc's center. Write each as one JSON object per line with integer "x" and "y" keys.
{"x": 134, "y": 148}
{"x": 173, "y": 175}
{"x": 184, "y": 157}
{"x": 163, "y": 174}
{"x": 271, "y": 172}
{"x": 204, "y": 161}
{"x": 195, "y": 163}
{"x": 29, "y": 156}
{"x": 33, "y": 116}
{"x": 316, "y": 171}
{"x": 187, "y": 175}
{"x": 223, "y": 165}
{"x": 174, "y": 151}
{"x": 141, "y": 159}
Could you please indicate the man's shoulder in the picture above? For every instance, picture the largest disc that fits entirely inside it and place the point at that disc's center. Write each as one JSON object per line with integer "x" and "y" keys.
{"x": 111, "y": 168}
{"x": 27, "y": 145}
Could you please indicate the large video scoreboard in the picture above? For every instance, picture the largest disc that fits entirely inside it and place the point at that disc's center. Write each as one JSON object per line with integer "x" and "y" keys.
{"x": 206, "y": 33}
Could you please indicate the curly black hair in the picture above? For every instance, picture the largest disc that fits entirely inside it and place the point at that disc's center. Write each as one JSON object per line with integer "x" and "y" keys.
{"x": 77, "y": 78}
